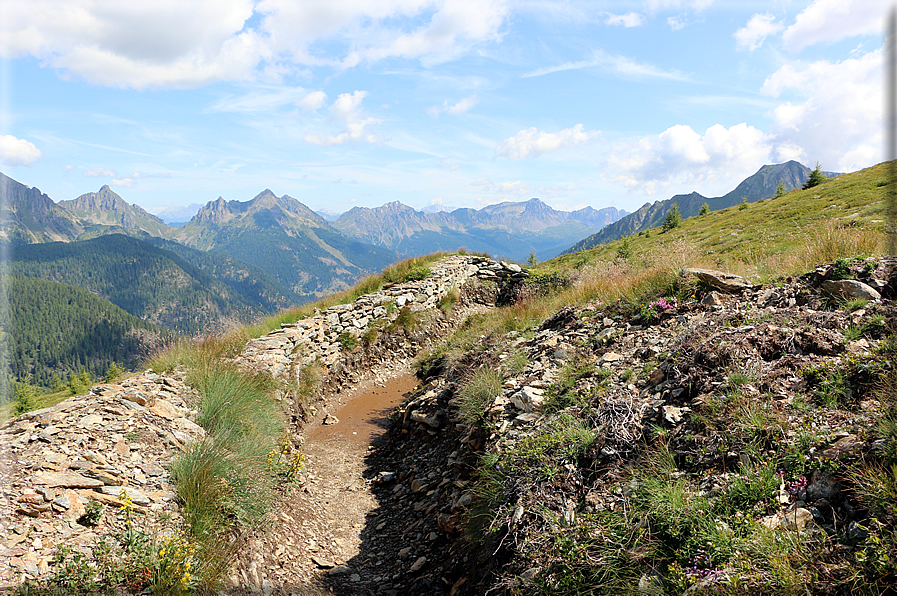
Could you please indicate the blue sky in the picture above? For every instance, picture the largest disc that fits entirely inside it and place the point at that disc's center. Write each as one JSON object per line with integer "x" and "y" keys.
{"x": 453, "y": 102}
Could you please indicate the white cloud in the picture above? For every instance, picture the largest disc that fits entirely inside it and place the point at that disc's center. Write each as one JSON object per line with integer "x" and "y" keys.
{"x": 171, "y": 43}
{"x": 100, "y": 171}
{"x": 532, "y": 143}
{"x": 137, "y": 44}
{"x": 677, "y": 22}
{"x": 459, "y": 108}
{"x": 630, "y": 19}
{"x": 751, "y": 36}
{"x": 123, "y": 182}
{"x": 17, "y": 152}
{"x": 313, "y": 101}
{"x": 447, "y": 164}
{"x": 614, "y": 63}
{"x": 681, "y": 155}
{"x": 833, "y": 20}
{"x": 347, "y": 109}
{"x": 833, "y": 111}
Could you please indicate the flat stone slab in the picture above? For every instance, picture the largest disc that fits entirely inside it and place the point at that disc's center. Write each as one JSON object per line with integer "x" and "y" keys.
{"x": 67, "y": 480}
{"x": 721, "y": 280}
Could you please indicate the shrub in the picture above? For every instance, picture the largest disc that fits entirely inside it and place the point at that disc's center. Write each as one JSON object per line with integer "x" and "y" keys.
{"x": 780, "y": 189}
{"x": 625, "y": 250}
{"x": 448, "y": 301}
{"x": 743, "y": 204}
{"x": 347, "y": 340}
{"x": 417, "y": 274}
{"x": 705, "y": 209}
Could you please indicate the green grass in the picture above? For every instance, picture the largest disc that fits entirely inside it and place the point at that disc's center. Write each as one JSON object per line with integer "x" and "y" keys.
{"x": 841, "y": 218}
{"x": 477, "y": 393}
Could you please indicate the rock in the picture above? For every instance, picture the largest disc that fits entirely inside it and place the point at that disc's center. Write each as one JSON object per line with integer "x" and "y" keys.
{"x": 417, "y": 565}
{"x": 845, "y": 447}
{"x": 850, "y": 288}
{"x": 528, "y": 399}
{"x": 674, "y": 415}
{"x": 713, "y": 299}
{"x": 822, "y": 486}
{"x": 330, "y": 419}
{"x": 431, "y": 421}
{"x": 165, "y": 409}
{"x": 766, "y": 296}
{"x": 726, "y": 282}
{"x": 137, "y": 497}
{"x": 798, "y": 519}
{"x": 67, "y": 480}
{"x": 340, "y": 570}
{"x": 323, "y": 563}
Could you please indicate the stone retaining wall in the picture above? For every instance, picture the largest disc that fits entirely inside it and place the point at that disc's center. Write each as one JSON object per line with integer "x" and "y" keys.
{"x": 285, "y": 351}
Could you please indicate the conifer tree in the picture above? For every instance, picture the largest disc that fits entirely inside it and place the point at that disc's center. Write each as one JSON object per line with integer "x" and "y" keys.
{"x": 815, "y": 178}
{"x": 780, "y": 189}
{"x": 673, "y": 218}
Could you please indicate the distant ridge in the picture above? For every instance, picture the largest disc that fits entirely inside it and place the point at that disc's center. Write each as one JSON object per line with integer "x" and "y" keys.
{"x": 510, "y": 229}
{"x": 757, "y": 187}
{"x": 285, "y": 239}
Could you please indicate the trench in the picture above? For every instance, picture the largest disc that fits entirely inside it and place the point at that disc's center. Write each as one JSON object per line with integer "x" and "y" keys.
{"x": 315, "y": 530}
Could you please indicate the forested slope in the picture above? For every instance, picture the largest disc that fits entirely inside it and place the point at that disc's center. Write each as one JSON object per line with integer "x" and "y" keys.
{"x": 150, "y": 283}
{"x": 58, "y": 328}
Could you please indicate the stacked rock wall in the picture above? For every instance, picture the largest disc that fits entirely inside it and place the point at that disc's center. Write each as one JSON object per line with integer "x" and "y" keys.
{"x": 285, "y": 351}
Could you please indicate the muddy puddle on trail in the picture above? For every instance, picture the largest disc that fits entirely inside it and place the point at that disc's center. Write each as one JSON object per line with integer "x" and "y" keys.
{"x": 365, "y": 415}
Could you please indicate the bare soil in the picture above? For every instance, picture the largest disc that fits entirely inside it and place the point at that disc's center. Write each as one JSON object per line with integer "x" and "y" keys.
{"x": 315, "y": 529}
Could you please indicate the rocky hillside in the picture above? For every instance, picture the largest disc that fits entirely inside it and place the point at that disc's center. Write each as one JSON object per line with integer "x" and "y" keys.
{"x": 31, "y": 216}
{"x": 722, "y": 436}
{"x": 716, "y": 443}
{"x": 110, "y": 213}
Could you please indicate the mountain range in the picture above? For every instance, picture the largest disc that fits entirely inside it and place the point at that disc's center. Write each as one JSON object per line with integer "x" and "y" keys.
{"x": 511, "y": 229}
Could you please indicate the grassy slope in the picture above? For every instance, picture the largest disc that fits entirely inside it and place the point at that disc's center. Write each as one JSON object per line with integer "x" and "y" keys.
{"x": 766, "y": 231}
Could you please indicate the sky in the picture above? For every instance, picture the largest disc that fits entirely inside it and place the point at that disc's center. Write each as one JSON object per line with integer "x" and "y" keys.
{"x": 459, "y": 103}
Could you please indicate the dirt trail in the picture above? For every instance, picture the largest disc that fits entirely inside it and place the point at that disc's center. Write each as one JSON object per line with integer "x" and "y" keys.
{"x": 315, "y": 528}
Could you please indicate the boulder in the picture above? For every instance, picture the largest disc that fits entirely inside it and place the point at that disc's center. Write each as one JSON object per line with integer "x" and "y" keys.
{"x": 849, "y": 288}
{"x": 725, "y": 282}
